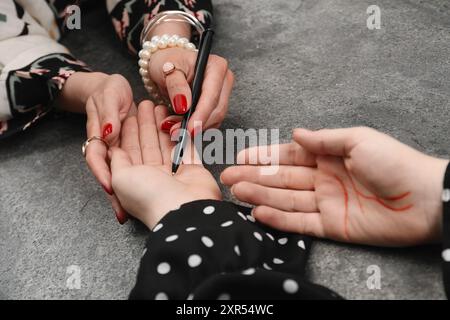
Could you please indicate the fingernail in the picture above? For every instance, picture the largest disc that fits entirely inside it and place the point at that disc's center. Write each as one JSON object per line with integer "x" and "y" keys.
{"x": 167, "y": 125}
{"x": 121, "y": 217}
{"x": 107, "y": 130}
{"x": 108, "y": 191}
{"x": 180, "y": 104}
{"x": 175, "y": 134}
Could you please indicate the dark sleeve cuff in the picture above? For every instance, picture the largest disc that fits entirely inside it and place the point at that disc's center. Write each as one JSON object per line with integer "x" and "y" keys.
{"x": 32, "y": 89}
{"x": 213, "y": 249}
{"x": 446, "y": 232}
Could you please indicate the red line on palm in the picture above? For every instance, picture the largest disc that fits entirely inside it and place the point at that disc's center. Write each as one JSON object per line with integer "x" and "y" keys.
{"x": 381, "y": 201}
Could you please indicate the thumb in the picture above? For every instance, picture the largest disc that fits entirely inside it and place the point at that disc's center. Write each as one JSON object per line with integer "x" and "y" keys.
{"x": 119, "y": 160}
{"x": 335, "y": 142}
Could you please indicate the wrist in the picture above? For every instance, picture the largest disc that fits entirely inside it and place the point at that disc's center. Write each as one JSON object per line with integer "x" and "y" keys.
{"x": 160, "y": 209}
{"x": 77, "y": 90}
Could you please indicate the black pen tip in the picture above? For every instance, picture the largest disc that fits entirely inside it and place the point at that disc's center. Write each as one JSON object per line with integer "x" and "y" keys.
{"x": 174, "y": 169}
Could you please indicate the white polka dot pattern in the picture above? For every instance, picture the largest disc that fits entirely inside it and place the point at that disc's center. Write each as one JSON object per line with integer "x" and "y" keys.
{"x": 226, "y": 224}
{"x": 258, "y": 236}
{"x": 278, "y": 261}
{"x": 172, "y": 238}
{"x": 207, "y": 242}
{"x": 249, "y": 271}
{"x": 209, "y": 210}
{"x": 266, "y": 266}
{"x": 242, "y": 215}
{"x": 224, "y": 296}
{"x": 215, "y": 237}
{"x": 194, "y": 261}
{"x": 163, "y": 268}
{"x": 446, "y": 195}
{"x": 161, "y": 296}
{"x": 446, "y": 255}
{"x": 158, "y": 227}
{"x": 290, "y": 286}
{"x": 301, "y": 244}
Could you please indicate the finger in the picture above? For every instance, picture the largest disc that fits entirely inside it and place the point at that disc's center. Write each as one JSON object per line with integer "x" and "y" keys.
{"x": 283, "y": 199}
{"x": 336, "y": 142}
{"x": 148, "y": 134}
{"x": 215, "y": 74}
{"x": 174, "y": 130}
{"x": 298, "y": 222}
{"x": 219, "y": 113}
{"x": 167, "y": 124}
{"x": 283, "y": 154}
{"x": 179, "y": 91}
{"x": 286, "y": 177}
{"x": 133, "y": 110}
{"x": 112, "y": 110}
{"x": 119, "y": 160}
{"x": 165, "y": 142}
{"x": 96, "y": 151}
{"x": 130, "y": 140}
{"x": 121, "y": 215}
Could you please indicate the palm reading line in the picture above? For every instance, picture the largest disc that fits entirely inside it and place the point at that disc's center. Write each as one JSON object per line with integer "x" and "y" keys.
{"x": 359, "y": 195}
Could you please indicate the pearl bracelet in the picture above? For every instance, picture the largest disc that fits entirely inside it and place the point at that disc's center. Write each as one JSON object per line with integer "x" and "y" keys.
{"x": 148, "y": 49}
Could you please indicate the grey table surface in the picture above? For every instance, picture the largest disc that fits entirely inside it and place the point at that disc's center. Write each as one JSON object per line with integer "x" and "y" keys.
{"x": 310, "y": 63}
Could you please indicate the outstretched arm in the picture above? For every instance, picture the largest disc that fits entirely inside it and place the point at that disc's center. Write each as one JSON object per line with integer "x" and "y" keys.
{"x": 354, "y": 185}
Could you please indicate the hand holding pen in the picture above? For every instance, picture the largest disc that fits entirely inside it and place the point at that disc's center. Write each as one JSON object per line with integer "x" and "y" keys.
{"x": 200, "y": 67}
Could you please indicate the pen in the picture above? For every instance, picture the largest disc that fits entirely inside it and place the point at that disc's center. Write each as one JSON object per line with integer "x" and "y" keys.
{"x": 200, "y": 67}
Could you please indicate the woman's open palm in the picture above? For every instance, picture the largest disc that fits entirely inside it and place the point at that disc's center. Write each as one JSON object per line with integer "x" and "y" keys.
{"x": 141, "y": 169}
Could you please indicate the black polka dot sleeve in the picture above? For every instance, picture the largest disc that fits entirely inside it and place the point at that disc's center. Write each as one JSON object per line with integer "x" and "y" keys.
{"x": 446, "y": 232}
{"x": 215, "y": 250}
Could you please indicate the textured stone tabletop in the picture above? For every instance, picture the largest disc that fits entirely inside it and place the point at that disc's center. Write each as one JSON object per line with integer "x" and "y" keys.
{"x": 310, "y": 63}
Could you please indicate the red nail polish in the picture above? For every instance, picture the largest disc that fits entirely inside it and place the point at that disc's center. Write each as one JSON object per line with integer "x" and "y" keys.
{"x": 167, "y": 125}
{"x": 121, "y": 217}
{"x": 108, "y": 191}
{"x": 107, "y": 130}
{"x": 180, "y": 104}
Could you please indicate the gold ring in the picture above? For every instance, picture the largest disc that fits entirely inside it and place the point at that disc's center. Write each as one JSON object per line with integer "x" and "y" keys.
{"x": 169, "y": 68}
{"x": 88, "y": 141}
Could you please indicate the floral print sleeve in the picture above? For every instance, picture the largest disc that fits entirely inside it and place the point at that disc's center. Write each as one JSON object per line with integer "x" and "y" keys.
{"x": 33, "y": 65}
{"x": 130, "y": 16}
{"x": 42, "y": 81}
